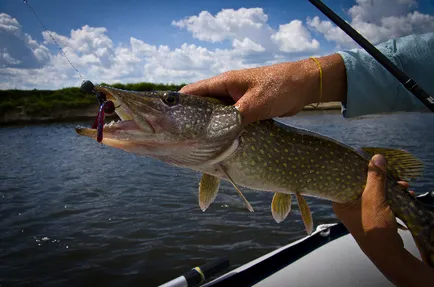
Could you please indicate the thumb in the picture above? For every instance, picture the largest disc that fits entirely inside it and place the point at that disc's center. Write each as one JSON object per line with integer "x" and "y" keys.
{"x": 375, "y": 186}
{"x": 252, "y": 107}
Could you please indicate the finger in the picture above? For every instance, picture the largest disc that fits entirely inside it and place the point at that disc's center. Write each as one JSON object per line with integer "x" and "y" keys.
{"x": 252, "y": 107}
{"x": 404, "y": 184}
{"x": 375, "y": 186}
{"x": 215, "y": 86}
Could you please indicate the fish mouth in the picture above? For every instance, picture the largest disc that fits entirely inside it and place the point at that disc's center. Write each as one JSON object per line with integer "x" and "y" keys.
{"x": 128, "y": 128}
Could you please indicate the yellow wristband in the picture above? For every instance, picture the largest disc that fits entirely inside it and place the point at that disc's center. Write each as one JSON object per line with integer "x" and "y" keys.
{"x": 320, "y": 80}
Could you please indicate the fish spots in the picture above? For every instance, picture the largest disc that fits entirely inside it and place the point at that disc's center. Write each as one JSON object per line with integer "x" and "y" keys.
{"x": 286, "y": 150}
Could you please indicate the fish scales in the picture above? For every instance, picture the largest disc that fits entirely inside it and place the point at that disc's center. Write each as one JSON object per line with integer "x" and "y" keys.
{"x": 274, "y": 158}
{"x": 205, "y": 135}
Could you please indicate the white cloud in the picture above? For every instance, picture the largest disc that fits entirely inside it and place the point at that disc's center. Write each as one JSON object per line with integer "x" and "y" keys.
{"x": 294, "y": 37}
{"x": 249, "y": 27}
{"x": 247, "y": 45}
{"x": 9, "y": 24}
{"x": 249, "y": 39}
{"x": 227, "y": 24}
{"x": 17, "y": 48}
{"x": 378, "y": 21}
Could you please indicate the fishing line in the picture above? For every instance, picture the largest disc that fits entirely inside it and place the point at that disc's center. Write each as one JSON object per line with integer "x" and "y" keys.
{"x": 54, "y": 40}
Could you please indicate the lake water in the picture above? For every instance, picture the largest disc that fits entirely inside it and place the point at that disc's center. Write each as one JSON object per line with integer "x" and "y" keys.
{"x": 75, "y": 213}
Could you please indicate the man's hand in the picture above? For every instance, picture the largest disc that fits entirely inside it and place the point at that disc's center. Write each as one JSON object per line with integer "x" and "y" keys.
{"x": 372, "y": 223}
{"x": 277, "y": 90}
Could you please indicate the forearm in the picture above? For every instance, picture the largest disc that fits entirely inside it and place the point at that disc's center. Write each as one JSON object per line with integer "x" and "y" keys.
{"x": 372, "y": 89}
{"x": 334, "y": 80}
{"x": 399, "y": 265}
{"x": 385, "y": 249}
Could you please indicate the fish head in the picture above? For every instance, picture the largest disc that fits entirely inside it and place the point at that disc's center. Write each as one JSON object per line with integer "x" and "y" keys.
{"x": 177, "y": 128}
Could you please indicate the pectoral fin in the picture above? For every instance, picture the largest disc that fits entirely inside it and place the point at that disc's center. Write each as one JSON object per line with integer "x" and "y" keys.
{"x": 249, "y": 207}
{"x": 280, "y": 206}
{"x": 305, "y": 213}
{"x": 208, "y": 188}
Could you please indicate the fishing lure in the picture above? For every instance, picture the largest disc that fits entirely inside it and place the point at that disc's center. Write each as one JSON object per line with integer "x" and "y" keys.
{"x": 106, "y": 107}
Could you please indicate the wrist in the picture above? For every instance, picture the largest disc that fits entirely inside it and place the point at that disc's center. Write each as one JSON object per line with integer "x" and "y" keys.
{"x": 334, "y": 79}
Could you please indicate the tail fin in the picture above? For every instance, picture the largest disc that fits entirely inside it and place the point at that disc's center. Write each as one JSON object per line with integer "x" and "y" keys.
{"x": 417, "y": 216}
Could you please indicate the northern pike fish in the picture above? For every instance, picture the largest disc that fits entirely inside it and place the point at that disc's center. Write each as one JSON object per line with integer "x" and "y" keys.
{"x": 207, "y": 136}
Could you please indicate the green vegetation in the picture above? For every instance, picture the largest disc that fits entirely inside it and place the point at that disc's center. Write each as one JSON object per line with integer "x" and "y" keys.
{"x": 44, "y": 102}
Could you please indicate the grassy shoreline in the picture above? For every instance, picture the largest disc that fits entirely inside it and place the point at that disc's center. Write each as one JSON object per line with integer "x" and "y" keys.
{"x": 69, "y": 104}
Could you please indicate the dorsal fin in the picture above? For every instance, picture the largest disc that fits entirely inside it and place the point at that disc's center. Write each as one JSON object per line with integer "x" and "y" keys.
{"x": 401, "y": 164}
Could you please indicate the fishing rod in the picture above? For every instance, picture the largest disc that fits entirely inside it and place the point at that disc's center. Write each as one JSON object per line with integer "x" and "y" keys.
{"x": 199, "y": 274}
{"x": 405, "y": 80}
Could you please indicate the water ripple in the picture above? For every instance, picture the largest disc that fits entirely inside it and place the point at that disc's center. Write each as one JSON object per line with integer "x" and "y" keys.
{"x": 75, "y": 213}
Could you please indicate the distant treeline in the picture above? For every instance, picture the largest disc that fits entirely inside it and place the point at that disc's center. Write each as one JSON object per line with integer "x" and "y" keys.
{"x": 43, "y": 102}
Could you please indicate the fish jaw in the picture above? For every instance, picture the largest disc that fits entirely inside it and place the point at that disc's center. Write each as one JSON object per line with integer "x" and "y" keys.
{"x": 179, "y": 129}
{"x": 131, "y": 131}
{"x": 126, "y": 103}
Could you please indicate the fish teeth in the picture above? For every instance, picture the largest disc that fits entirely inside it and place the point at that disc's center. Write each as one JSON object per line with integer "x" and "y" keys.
{"x": 113, "y": 123}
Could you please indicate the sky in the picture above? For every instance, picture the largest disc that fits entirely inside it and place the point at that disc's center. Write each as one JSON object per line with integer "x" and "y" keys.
{"x": 182, "y": 41}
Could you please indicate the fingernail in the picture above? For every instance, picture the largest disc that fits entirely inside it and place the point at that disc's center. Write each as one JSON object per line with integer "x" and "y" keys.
{"x": 379, "y": 160}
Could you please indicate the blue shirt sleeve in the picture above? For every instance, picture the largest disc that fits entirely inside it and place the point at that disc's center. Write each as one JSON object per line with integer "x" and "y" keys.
{"x": 371, "y": 89}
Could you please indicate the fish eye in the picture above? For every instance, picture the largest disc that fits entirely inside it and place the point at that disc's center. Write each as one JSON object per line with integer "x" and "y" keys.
{"x": 171, "y": 99}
